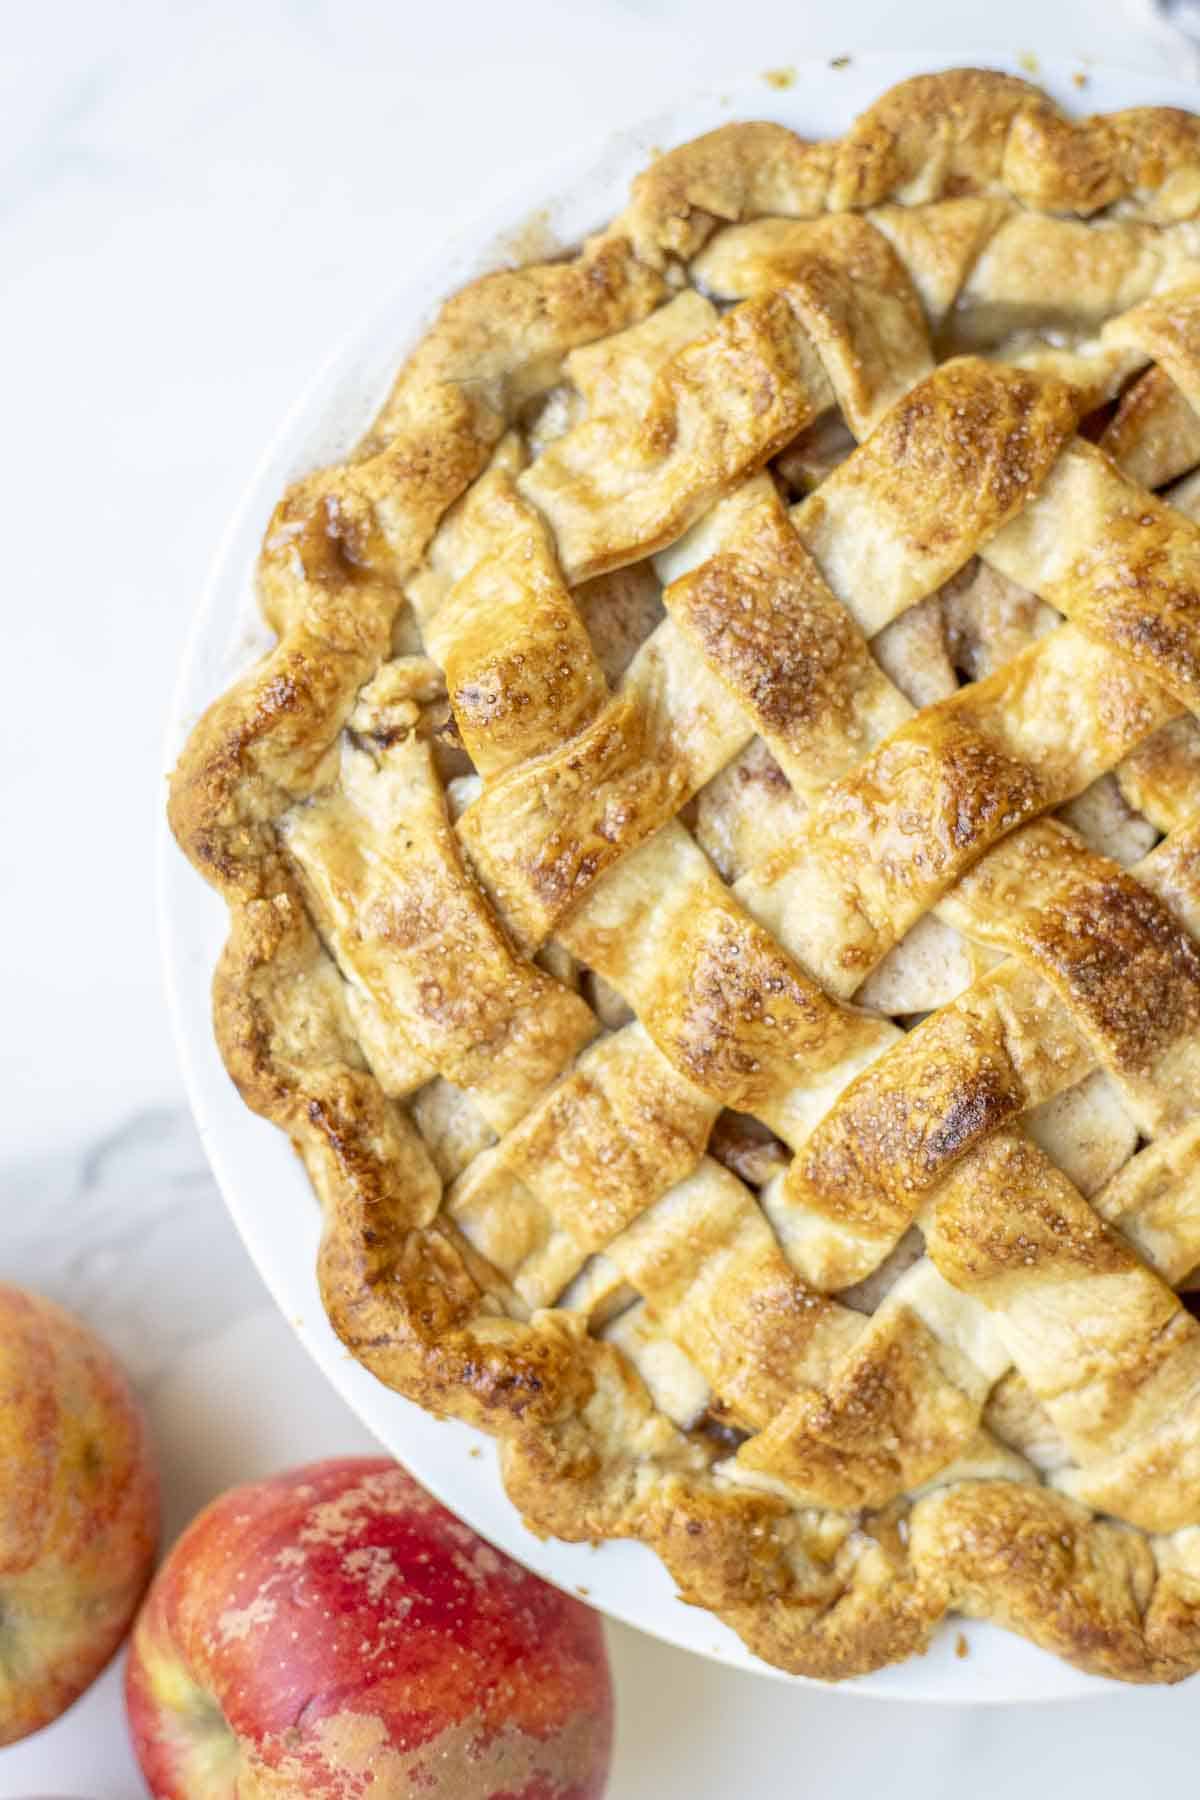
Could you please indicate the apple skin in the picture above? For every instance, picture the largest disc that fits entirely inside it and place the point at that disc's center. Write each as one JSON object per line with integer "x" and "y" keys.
{"x": 78, "y": 1510}
{"x": 334, "y": 1632}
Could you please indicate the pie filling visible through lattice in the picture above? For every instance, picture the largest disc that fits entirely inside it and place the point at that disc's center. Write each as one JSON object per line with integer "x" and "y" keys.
{"x": 713, "y": 858}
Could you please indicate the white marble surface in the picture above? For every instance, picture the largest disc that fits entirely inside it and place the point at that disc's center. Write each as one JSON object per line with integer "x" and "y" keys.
{"x": 197, "y": 198}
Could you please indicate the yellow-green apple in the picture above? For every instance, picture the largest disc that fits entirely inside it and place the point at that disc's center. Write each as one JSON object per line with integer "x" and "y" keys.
{"x": 78, "y": 1510}
{"x": 334, "y": 1631}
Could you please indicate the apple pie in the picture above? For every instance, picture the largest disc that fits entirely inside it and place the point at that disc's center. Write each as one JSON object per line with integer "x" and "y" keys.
{"x": 713, "y": 861}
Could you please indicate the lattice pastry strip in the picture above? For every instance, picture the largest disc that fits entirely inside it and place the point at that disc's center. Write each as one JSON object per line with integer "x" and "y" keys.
{"x": 620, "y": 1128}
{"x": 1118, "y": 561}
{"x": 1117, "y": 957}
{"x": 1155, "y": 434}
{"x": 408, "y": 926}
{"x": 1154, "y": 1201}
{"x": 1106, "y": 1347}
{"x": 766, "y": 623}
{"x": 719, "y": 409}
{"x": 1158, "y": 778}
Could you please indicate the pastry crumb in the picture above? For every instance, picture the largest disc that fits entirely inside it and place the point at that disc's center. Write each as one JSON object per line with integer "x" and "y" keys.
{"x": 839, "y": 62}
{"x": 475, "y": 1451}
{"x": 1028, "y": 61}
{"x": 961, "y": 1647}
{"x": 780, "y": 78}
{"x": 583, "y": 1592}
{"x": 1079, "y": 79}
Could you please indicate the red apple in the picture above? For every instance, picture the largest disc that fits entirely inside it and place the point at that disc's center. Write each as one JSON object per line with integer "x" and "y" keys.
{"x": 334, "y": 1632}
{"x": 78, "y": 1510}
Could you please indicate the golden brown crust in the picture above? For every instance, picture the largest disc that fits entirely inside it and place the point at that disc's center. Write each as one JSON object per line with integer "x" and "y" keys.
{"x": 739, "y": 171}
{"x": 622, "y": 485}
{"x": 964, "y": 132}
{"x": 375, "y": 946}
{"x": 1154, "y": 434}
{"x": 1046, "y": 1568}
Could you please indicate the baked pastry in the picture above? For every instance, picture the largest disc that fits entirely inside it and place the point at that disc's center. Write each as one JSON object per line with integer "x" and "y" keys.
{"x": 713, "y": 859}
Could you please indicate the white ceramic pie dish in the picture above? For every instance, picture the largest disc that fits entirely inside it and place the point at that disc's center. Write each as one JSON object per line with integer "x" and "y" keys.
{"x": 263, "y": 1182}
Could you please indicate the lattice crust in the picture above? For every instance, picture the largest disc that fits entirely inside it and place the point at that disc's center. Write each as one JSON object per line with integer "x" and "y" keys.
{"x": 714, "y": 870}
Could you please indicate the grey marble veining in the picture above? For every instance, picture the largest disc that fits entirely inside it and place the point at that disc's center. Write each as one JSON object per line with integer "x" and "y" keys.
{"x": 130, "y": 1231}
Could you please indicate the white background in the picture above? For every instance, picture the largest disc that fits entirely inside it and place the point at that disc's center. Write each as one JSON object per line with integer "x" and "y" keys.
{"x": 197, "y": 199}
